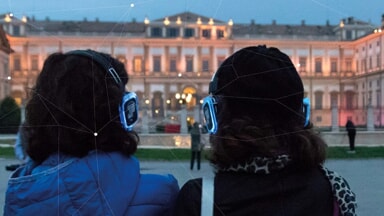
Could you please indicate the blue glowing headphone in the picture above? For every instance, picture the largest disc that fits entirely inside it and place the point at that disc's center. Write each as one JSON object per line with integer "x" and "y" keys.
{"x": 306, "y": 111}
{"x": 210, "y": 110}
{"x": 128, "y": 108}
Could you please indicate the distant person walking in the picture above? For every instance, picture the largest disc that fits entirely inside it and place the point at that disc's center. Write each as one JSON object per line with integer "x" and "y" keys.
{"x": 195, "y": 145}
{"x": 351, "y": 129}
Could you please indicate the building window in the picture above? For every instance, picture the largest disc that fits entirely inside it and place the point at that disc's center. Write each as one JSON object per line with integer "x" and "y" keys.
{"x": 333, "y": 65}
{"x": 173, "y": 32}
{"x": 189, "y": 63}
{"x": 349, "y": 100}
{"x": 318, "y": 65}
{"x": 16, "y": 30}
{"x": 348, "y": 34}
{"x": 302, "y": 64}
{"x": 363, "y": 65}
{"x": 206, "y": 33}
{"x": 370, "y": 62}
{"x": 156, "y": 32}
{"x": 189, "y": 32}
{"x": 348, "y": 65}
{"x": 378, "y": 99}
{"x": 17, "y": 63}
{"x": 219, "y": 33}
{"x": 156, "y": 63}
{"x": 378, "y": 60}
{"x": 205, "y": 65}
{"x": 357, "y": 65}
{"x": 137, "y": 64}
{"x": 172, "y": 64}
{"x": 318, "y": 100}
{"x": 34, "y": 62}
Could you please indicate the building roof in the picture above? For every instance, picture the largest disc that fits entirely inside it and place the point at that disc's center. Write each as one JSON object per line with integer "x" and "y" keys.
{"x": 4, "y": 43}
{"x": 239, "y": 30}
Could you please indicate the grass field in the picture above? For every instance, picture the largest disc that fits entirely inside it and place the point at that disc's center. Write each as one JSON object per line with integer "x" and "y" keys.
{"x": 184, "y": 154}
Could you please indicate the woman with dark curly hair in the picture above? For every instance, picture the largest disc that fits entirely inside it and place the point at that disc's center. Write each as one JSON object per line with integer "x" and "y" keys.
{"x": 79, "y": 124}
{"x": 267, "y": 159}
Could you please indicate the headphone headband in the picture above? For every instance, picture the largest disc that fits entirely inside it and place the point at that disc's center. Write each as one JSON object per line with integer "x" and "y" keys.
{"x": 128, "y": 108}
{"x": 100, "y": 60}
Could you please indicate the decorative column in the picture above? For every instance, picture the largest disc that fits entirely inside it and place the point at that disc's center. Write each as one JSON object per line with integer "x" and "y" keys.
{"x": 144, "y": 121}
{"x": 183, "y": 120}
{"x": 335, "y": 119}
{"x": 370, "y": 118}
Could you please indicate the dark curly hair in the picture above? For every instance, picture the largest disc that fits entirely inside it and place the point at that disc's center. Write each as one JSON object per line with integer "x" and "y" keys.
{"x": 242, "y": 137}
{"x": 74, "y": 109}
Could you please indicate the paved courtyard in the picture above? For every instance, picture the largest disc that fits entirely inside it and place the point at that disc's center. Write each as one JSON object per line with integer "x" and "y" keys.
{"x": 366, "y": 178}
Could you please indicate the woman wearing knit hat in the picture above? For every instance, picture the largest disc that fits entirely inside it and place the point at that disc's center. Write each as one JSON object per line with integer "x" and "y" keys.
{"x": 267, "y": 159}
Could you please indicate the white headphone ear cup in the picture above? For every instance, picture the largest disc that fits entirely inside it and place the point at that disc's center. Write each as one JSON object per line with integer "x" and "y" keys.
{"x": 209, "y": 111}
{"x": 129, "y": 111}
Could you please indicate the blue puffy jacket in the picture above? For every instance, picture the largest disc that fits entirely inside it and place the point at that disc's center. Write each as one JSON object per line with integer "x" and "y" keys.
{"x": 98, "y": 184}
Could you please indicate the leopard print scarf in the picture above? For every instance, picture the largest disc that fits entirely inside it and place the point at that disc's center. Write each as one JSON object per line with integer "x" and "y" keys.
{"x": 342, "y": 193}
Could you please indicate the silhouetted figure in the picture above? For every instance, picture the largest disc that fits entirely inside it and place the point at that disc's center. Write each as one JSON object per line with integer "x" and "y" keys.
{"x": 195, "y": 145}
{"x": 351, "y": 129}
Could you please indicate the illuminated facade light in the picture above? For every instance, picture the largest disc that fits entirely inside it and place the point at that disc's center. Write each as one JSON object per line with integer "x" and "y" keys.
{"x": 146, "y": 21}
{"x": 166, "y": 21}
{"x": 198, "y": 21}
{"x": 341, "y": 24}
{"x": 211, "y": 22}
{"x": 24, "y": 19}
{"x": 8, "y": 18}
{"x": 230, "y": 22}
{"x": 178, "y": 21}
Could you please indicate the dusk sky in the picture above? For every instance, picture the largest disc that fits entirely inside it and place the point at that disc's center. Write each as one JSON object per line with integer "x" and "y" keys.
{"x": 240, "y": 11}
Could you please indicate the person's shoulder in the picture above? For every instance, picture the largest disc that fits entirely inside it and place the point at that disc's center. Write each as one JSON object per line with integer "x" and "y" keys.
{"x": 192, "y": 186}
{"x": 160, "y": 178}
{"x": 189, "y": 197}
{"x": 159, "y": 182}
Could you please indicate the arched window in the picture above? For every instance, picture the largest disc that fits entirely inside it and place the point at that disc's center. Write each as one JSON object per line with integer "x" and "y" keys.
{"x": 349, "y": 100}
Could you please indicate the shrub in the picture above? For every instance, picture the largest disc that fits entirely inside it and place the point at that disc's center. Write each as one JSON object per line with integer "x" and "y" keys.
{"x": 10, "y": 116}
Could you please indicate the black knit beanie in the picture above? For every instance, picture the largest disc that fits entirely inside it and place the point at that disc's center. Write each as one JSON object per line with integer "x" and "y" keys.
{"x": 260, "y": 82}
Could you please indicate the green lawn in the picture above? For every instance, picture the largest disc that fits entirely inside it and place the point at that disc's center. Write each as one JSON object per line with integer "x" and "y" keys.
{"x": 184, "y": 154}
{"x": 360, "y": 152}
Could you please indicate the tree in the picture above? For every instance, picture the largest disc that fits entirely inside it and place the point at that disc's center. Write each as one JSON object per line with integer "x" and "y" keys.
{"x": 10, "y": 115}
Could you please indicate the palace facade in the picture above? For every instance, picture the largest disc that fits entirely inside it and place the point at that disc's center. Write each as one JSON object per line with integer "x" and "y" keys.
{"x": 171, "y": 61}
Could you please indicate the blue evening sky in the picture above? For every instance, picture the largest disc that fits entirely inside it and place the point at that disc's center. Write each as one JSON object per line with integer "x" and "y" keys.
{"x": 241, "y": 11}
